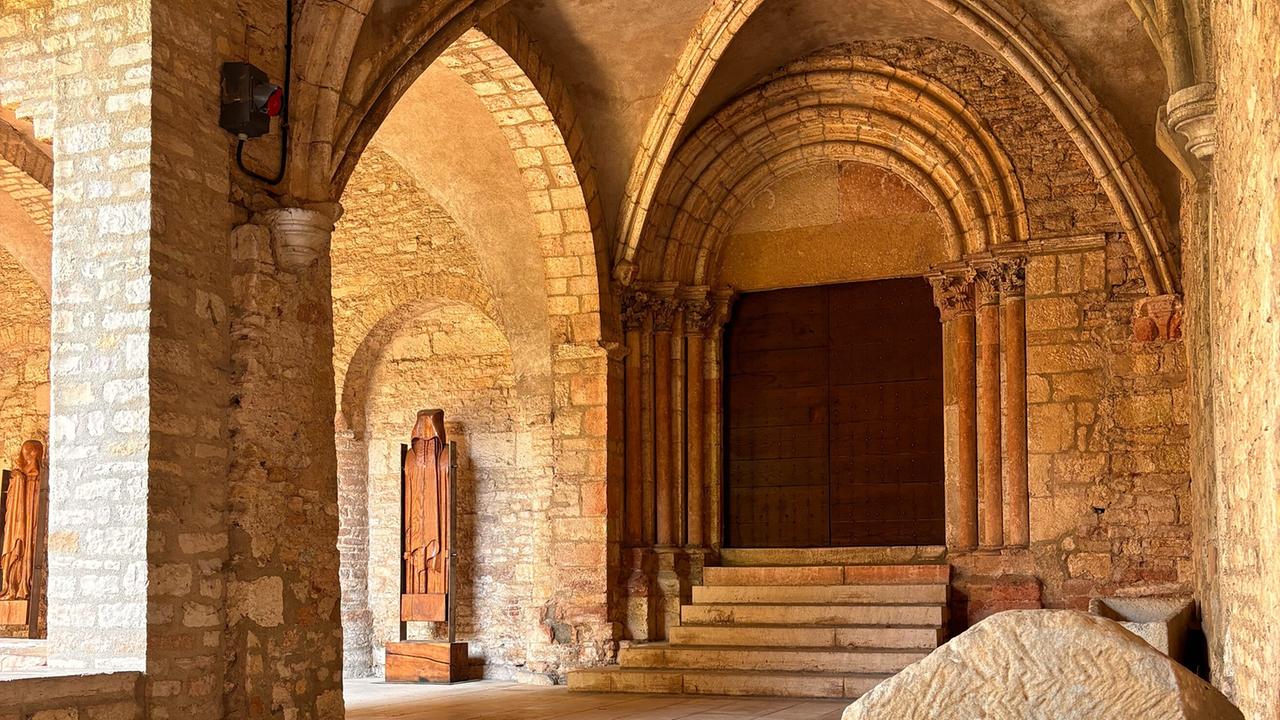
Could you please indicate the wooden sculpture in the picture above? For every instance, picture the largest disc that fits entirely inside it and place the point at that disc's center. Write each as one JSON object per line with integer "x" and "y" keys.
{"x": 426, "y": 521}
{"x": 427, "y": 538}
{"x": 21, "y": 516}
{"x": 20, "y": 537}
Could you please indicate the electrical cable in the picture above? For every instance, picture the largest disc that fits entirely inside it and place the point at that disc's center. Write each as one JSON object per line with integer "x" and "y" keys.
{"x": 284, "y": 108}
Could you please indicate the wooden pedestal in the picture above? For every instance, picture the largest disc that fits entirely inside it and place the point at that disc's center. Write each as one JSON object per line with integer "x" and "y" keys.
{"x": 13, "y": 612}
{"x": 418, "y": 662}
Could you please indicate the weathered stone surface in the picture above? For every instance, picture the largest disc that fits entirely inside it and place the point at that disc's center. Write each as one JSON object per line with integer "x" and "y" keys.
{"x": 1059, "y": 665}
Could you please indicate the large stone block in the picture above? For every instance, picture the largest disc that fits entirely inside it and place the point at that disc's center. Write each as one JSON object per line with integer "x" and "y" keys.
{"x": 1059, "y": 665}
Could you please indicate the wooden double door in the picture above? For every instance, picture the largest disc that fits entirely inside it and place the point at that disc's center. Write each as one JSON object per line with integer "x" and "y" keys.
{"x": 833, "y": 417}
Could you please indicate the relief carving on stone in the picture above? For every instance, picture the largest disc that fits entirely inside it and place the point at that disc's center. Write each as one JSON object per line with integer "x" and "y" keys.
{"x": 636, "y": 305}
{"x": 953, "y": 294}
{"x": 1009, "y": 275}
{"x": 20, "y": 523}
{"x": 664, "y": 312}
{"x": 698, "y": 312}
{"x": 427, "y": 496}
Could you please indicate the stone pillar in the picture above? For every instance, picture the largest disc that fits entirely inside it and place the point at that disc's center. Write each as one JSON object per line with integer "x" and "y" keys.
{"x": 678, "y": 422}
{"x": 697, "y": 312}
{"x": 648, "y": 464}
{"x": 990, "y": 479}
{"x": 283, "y": 610}
{"x": 633, "y": 317}
{"x": 713, "y": 457}
{"x": 353, "y": 553}
{"x": 664, "y": 474}
{"x": 1012, "y": 276}
{"x": 953, "y": 294}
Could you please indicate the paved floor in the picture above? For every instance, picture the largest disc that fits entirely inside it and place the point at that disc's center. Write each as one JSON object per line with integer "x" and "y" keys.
{"x": 491, "y": 700}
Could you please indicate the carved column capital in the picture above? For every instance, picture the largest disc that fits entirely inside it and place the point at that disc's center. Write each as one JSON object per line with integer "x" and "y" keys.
{"x": 663, "y": 306}
{"x": 986, "y": 282}
{"x": 1192, "y": 112}
{"x": 636, "y": 308}
{"x": 698, "y": 310}
{"x": 1009, "y": 275}
{"x": 300, "y": 235}
{"x": 953, "y": 293}
{"x": 1157, "y": 318}
{"x": 722, "y": 305}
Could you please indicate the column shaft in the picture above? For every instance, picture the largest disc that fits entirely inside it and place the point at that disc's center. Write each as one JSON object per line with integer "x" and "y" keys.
{"x": 633, "y": 532}
{"x": 954, "y": 297}
{"x": 962, "y": 501}
{"x": 1013, "y": 351}
{"x": 678, "y": 417}
{"x": 662, "y": 436}
{"x": 990, "y": 490}
{"x": 648, "y": 463}
{"x": 697, "y": 491}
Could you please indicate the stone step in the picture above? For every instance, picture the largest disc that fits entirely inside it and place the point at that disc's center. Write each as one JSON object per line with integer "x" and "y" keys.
{"x": 821, "y": 594}
{"x": 828, "y": 575}
{"x": 833, "y": 556}
{"x": 916, "y": 638}
{"x": 812, "y": 660}
{"x": 823, "y": 615}
{"x": 722, "y": 682}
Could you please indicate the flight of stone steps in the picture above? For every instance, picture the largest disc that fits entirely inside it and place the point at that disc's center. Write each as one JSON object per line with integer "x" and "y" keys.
{"x": 829, "y": 631}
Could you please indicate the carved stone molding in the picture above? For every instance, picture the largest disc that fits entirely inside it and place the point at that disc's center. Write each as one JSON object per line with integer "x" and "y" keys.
{"x": 1157, "y": 318}
{"x": 300, "y": 235}
{"x": 953, "y": 293}
{"x": 1191, "y": 112}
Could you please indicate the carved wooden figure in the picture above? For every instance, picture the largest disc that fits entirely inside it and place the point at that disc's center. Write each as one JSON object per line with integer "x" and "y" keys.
{"x": 426, "y": 521}
{"x": 21, "y": 517}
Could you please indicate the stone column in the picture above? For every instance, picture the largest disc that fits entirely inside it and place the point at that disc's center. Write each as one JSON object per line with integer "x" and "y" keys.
{"x": 953, "y": 294}
{"x": 990, "y": 480}
{"x": 1012, "y": 276}
{"x": 678, "y": 418}
{"x": 697, "y": 315}
{"x": 648, "y": 465}
{"x": 713, "y": 457}
{"x": 283, "y": 612}
{"x": 664, "y": 474}
{"x": 633, "y": 319}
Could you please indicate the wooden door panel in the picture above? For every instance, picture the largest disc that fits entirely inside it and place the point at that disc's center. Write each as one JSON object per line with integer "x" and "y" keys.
{"x": 834, "y": 417}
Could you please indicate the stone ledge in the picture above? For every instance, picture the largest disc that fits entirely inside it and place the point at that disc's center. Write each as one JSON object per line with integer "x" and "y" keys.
{"x": 28, "y": 692}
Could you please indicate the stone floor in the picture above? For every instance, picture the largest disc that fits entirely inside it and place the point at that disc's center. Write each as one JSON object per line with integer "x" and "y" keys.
{"x": 491, "y": 700}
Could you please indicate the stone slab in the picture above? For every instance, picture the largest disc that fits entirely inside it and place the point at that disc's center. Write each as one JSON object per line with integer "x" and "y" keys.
{"x": 1042, "y": 664}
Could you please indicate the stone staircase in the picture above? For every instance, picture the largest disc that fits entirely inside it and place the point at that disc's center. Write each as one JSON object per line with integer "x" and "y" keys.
{"x": 822, "y": 631}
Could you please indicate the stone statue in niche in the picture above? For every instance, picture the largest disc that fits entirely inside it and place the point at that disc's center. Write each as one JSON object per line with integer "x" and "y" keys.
{"x": 427, "y": 495}
{"x": 21, "y": 516}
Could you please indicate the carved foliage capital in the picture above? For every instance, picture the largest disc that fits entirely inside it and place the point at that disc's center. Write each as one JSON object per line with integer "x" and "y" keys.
{"x": 698, "y": 310}
{"x": 636, "y": 305}
{"x": 953, "y": 294}
{"x": 1009, "y": 276}
{"x": 664, "y": 312}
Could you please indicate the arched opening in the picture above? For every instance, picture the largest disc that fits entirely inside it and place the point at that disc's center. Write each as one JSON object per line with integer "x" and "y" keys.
{"x": 465, "y": 278}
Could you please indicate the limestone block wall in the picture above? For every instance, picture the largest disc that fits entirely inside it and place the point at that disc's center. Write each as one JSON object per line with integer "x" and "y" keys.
{"x": 1108, "y": 445}
{"x": 1238, "y": 339}
{"x": 24, "y": 359}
